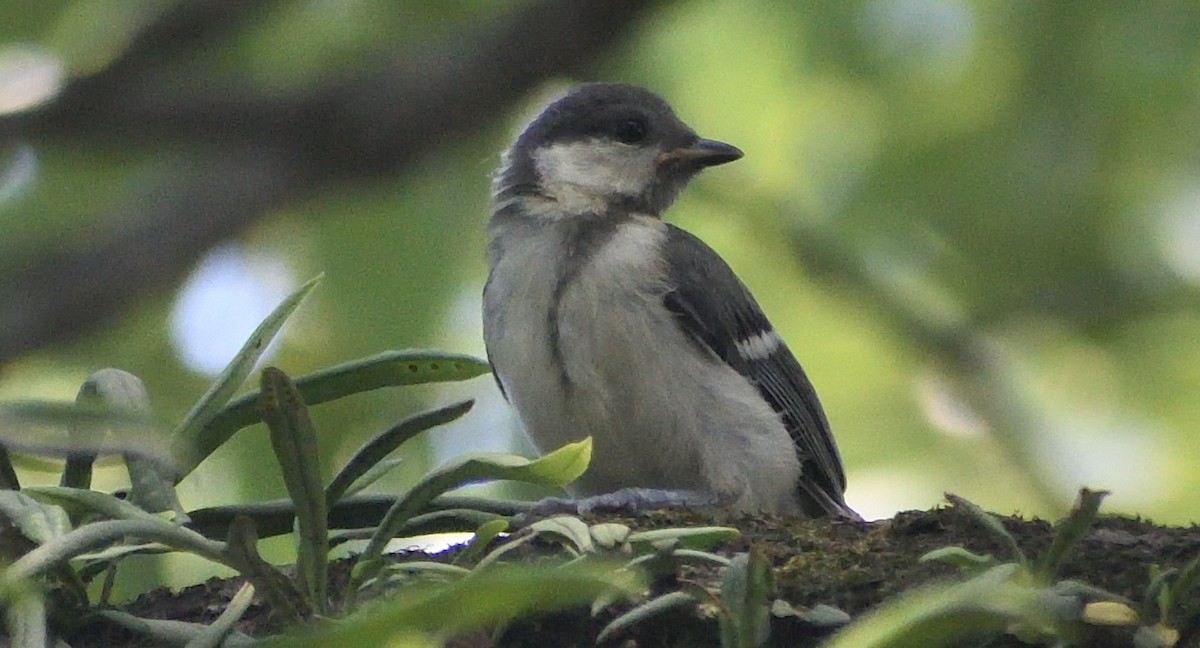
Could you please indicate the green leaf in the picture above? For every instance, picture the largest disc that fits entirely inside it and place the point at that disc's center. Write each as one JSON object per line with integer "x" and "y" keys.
{"x": 484, "y": 535}
{"x": 685, "y": 555}
{"x": 94, "y": 536}
{"x": 379, "y": 447}
{"x": 274, "y": 587}
{"x": 944, "y": 615}
{"x": 373, "y": 474}
{"x": 58, "y": 429}
{"x": 960, "y": 557}
{"x": 406, "y": 569}
{"x": 37, "y": 522}
{"x": 555, "y": 469}
{"x": 170, "y": 633}
{"x": 1184, "y": 586}
{"x": 568, "y": 530}
{"x": 388, "y": 369}
{"x": 193, "y": 439}
{"x": 745, "y": 588}
{"x": 151, "y": 486}
{"x": 991, "y": 524}
{"x": 484, "y": 600}
{"x": 819, "y": 615}
{"x": 214, "y": 635}
{"x": 610, "y": 535}
{"x": 1069, "y": 532}
{"x": 688, "y": 537}
{"x": 648, "y": 610}
{"x": 295, "y": 444}
{"x": 79, "y": 500}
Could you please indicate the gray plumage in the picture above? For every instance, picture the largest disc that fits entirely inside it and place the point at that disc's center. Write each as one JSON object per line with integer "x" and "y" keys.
{"x": 600, "y": 319}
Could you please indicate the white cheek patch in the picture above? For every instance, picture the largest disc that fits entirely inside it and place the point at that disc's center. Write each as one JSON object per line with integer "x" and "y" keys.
{"x": 759, "y": 347}
{"x": 580, "y": 172}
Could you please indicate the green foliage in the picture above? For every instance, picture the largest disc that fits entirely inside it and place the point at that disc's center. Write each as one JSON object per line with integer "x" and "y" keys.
{"x": 73, "y": 533}
{"x": 1019, "y": 597}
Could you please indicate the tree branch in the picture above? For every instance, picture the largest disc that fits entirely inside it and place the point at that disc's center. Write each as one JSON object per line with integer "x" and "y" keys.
{"x": 268, "y": 149}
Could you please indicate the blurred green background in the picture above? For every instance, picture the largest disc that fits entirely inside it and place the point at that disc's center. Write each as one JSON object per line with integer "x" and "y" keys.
{"x": 977, "y": 224}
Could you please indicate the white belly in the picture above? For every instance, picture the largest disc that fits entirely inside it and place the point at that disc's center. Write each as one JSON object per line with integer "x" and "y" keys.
{"x": 659, "y": 413}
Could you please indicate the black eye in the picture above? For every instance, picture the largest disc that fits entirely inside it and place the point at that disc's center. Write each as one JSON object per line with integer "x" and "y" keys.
{"x": 630, "y": 131}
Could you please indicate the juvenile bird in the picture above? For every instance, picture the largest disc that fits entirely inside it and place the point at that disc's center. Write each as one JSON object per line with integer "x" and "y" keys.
{"x": 600, "y": 319}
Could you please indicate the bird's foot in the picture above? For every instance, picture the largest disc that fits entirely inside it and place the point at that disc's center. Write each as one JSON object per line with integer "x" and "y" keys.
{"x": 630, "y": 501}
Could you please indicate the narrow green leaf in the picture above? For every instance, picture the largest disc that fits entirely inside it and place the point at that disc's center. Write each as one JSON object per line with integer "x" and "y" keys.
{"x": 295, "y": 445}
{"x": 59, "y": 429}
{"x": 77, "y": 500}
{"x": 1070, "y": 531}
{"x": 388, "y": 369}
{"x": 94, "y": 536}
{"x": 283, "y": 597}
{"x": 170, "y": 633}
{"x": 945, "y": 615}
{"x": 648, "y": 610}
{"x": 483, "y": 600}
{"x": 688, "y": 555}
{"x": 496, "y": 554}
{"x": 409, "y": 568}
{"x": 819, "y": 615}
{"x": 959, "y": 557}
{"x": 991, "y": 524}
{"x": 1184, "y": 587}
{"x": 691, "y": 538}
{"x": 379, "y": 447}
{"x": 193, "y": 439}
{"x": 555, "y": 469}
{"x": 214, "y": 635}
{"x": 484, "y": 535}
{"x": 373, "y": 474}
{"x": 745, "y": 588}
{"x": 37, "y": 522}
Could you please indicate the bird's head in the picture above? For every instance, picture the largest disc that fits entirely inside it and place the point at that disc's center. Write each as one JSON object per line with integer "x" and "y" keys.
{"x": 604, "y": 146}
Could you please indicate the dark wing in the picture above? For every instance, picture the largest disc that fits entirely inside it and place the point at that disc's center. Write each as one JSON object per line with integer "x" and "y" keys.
{"x": 717, "y": 312}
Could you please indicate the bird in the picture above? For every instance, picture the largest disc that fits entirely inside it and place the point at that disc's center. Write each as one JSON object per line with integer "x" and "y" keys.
{"x": 601, "y": 319}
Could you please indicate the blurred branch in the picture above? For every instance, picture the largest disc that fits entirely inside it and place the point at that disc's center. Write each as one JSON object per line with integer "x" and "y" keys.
{"x": 266, "y": 150}
{"x": 981, "y": 372}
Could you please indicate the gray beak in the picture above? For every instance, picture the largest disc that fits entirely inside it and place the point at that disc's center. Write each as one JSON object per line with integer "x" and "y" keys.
{"x": 702, "y": 152}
